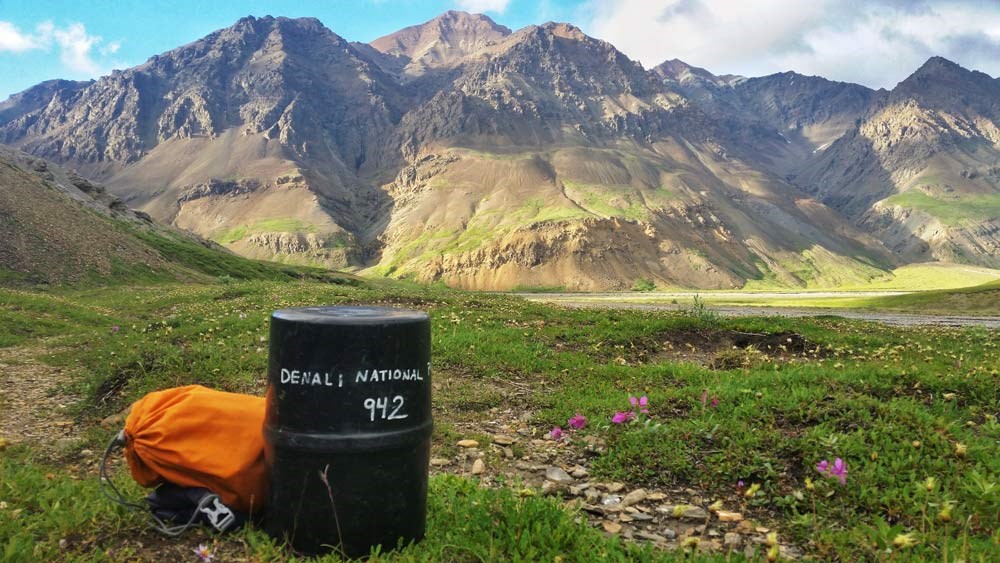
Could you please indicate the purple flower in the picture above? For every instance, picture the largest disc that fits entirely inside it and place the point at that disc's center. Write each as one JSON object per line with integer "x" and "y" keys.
{"x": 641, "y": 402}
{"x": 577, "y": 421}
{"x": 715, "y": 402}
{"x": 556, "y": 433}
{"x": 203, "y": 553}
{"x": 839, "y": 470}
{"x": 621, "y": 417}
{"x": 836, "y": 471}
{"x": 739, "y": 484}
{"x": 823, "y": 467}
{"x": 114, "y": 329}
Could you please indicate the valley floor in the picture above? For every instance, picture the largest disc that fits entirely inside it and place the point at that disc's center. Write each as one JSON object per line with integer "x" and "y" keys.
{"x": 802, "y": 308}
{"x": 723, "y": 466}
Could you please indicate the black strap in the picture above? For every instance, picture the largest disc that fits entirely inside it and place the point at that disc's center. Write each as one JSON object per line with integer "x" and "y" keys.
{"x": 209, "y": 504}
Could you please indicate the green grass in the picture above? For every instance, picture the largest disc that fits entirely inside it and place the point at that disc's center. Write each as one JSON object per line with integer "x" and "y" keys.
{"x": 982, "y": 300}
{"x": 962, "y": 210}
{"x": 276, "y": 225}
{"x": 213, "y": 262}
{"x": 608, "y": 201}
{"x": 894, "y": 403}
{"x": 929, "y": 276}
{"x": 465, "y": 523}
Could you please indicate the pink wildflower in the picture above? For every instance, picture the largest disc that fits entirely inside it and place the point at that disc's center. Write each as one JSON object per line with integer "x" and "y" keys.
{"x": 641, "y": 402}
{"x": 715, "y": 402}
{"x": 203, "y": 553}
{"x": 556, "y": 433}
{"x": 622, "y": 417}
{"x": 838, "y": 470}
{"x": 577, "y": 421}
{"x": 114, "y": 329}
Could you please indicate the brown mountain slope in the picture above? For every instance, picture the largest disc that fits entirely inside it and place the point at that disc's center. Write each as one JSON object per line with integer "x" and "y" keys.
{"x": 443, "y": 42}
{"x": 559, "y": 161}
{"x": 539, "y": 157}
{"x": 809, "y": 112}
{"x": 262, "y": 136}
{"x": 57, "y": 227}
{"x": 922, "y": 169}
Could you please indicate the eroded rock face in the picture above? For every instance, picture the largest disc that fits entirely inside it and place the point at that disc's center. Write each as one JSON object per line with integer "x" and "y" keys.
{"x": 287, "y": 243}
{"x": 590, "y": 255}
{"x": 271, "y": 76}
{"x": 935, "y": 139}
{"x": 219, "y": 187}
{"x": 335, "y": 250}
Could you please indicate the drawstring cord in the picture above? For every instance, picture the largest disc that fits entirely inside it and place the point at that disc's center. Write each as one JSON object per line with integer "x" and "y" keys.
{"x": 116, "y": 444}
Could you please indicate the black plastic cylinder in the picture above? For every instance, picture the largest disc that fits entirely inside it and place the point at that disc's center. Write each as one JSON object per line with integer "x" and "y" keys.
{"x": 347, "y": 428}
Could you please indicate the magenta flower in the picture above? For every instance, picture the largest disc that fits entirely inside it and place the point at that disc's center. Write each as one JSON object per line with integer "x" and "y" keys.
{"x": 836, "y": 471}
{"x": 114, "y": 329}
{"x": 839, "y": 470}
{"x": 622, "y": 417}
{"x": 641, "y": 402}
{"x": 739, "y": 484}
{"x": 823, "y": 467}
{"x": 556, "y": 433}
{"x": 715, "y": 402}
{"x": 577, "y": 421}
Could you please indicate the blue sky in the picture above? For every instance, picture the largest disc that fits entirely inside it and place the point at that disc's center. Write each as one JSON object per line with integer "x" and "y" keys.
{"x": 40, "y": 40}
{"x": 873, "y": 42}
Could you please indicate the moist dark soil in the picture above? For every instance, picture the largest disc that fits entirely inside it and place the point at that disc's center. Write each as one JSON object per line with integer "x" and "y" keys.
{"x": 713, "y": 348}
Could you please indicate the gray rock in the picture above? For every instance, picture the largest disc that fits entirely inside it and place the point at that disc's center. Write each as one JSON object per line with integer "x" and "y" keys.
{"x": 732, "y": 540}
{"x": 651, "y": 537}
{"x": 641, "y": 517}
{"x": 634, "y": 497}
{"x": 557, "y": 475}
{"x": 552, "y": 487}
{"x": 694, "y": 513}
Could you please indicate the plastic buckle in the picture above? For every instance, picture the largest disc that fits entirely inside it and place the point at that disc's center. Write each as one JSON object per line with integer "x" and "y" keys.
{"x": 219, "y": 515}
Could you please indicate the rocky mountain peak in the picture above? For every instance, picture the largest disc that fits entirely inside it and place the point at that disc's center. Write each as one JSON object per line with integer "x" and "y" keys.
{"x": 939, "y": 74}
{"x": 943, "y": 85}
{"x": 565, "y": 30}
{"x": 680, "y": 72}
{"x": 441, "y": 42}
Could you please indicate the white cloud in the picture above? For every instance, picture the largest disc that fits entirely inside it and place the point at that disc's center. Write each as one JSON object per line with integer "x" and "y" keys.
{"x": 111, "y": 48}
{"x": 14, "y": 40}
{"x": 76, "y": 47}
{"x": 875, "y": 42}
{"x": 479, "y": 6}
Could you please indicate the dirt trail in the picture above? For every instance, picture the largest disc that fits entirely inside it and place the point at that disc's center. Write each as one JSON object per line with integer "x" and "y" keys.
{"x": 35, "y": 398}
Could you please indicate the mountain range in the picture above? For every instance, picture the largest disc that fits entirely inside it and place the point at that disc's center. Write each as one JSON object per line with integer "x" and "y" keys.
{"x": 461, "y": 151}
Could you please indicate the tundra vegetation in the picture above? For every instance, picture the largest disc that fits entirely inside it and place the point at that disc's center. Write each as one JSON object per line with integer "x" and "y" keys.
{"x": 850, "y": 440}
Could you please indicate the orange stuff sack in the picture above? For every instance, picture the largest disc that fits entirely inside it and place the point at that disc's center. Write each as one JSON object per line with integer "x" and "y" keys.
{"x": 198, "y": 437}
